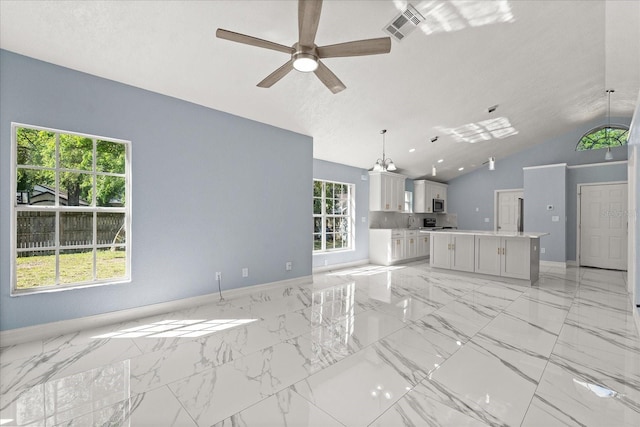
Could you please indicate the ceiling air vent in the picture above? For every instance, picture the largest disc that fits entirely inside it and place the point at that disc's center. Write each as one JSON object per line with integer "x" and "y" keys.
{"x": 404, "y": 23}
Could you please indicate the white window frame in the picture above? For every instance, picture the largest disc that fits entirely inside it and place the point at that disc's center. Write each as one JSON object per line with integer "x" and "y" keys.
{"x": 408, "y": 201}
{"x": 351, "y": 218}
{"x": 57, "y": 209}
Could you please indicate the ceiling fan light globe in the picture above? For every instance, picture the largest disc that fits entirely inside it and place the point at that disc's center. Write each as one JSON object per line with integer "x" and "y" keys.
{"x": 305, "y": 63}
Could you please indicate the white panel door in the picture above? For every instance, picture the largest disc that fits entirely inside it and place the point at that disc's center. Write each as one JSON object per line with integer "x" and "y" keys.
{"x": 603, "y": 226}
{"x": 508, "y": 210}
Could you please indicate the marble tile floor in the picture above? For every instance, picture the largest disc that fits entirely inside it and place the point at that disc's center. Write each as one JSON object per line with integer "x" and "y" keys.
{"x": 367, "y": 346}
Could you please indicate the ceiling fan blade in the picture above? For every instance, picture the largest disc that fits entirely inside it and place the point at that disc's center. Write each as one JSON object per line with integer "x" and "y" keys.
{"x": 275, "y": 77}
{"x": 308, "y": 18}
{"x": 252, "y": 41}
{"x": 356, "y": 48}
{"x": 329, "y": 79}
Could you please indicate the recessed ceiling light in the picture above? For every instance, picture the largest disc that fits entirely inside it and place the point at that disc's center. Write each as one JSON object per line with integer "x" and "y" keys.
{"x": 461, "y": 169}
{"x": 441, "y": 160}
{"x": 412, "y": 150}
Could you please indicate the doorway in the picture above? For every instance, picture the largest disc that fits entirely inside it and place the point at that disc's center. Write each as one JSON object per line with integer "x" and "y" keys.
{"x": 508, "y": 209}
{"x": 602, "y": 225}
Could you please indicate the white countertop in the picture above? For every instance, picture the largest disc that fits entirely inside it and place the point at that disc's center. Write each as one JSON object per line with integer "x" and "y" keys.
{"x": 525, "y": 234}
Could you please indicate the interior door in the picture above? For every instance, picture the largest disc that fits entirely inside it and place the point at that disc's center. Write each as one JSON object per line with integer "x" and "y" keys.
{"x": 603, "y": 226}
{"x": 508, "y": 209}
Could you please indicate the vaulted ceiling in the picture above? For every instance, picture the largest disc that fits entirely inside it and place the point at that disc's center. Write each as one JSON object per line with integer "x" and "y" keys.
{"x": 545, "y": 64}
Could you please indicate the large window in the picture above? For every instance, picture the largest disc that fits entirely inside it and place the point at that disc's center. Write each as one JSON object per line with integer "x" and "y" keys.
{"x": 71, "y": 218}
{"x": 333, "y": 216}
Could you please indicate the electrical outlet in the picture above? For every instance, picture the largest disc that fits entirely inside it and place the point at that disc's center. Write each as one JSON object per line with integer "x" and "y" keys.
{"x": 541, "y": 250}
{"x": 218, "y": 275}
{"x": 288, "y": 266}
{"x": 245, "y": 272}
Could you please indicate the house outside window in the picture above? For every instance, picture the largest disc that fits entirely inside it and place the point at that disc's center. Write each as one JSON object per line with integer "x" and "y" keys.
{"x": 71, "y": 219}
{"x": 333, "y": 216}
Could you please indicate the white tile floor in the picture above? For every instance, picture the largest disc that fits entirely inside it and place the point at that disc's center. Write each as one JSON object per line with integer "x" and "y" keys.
{"x": 371, "y": 346}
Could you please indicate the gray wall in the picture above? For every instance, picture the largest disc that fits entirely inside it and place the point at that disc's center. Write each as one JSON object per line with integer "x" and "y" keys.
{"x": 476, "y": 189}
{"x": 206, "y": 194}
{"x": 346, "y": 174}
{"x": 544, "y": 187}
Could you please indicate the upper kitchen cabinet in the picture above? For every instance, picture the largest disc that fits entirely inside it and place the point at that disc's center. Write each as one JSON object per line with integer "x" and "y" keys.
{"x": 424, "y": 194}
{"x": 386, "y": 191}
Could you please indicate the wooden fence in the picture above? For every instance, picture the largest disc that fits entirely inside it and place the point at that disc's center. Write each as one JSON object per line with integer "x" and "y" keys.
{"x": 37, "y": 229}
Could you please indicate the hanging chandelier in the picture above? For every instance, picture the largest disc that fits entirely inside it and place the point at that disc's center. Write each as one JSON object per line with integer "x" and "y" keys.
{"x": 384, "y": 164}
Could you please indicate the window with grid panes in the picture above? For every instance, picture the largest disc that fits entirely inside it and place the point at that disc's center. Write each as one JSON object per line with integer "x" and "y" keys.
{"x": 71, "y": 212}
{"x": 333, "y": 216}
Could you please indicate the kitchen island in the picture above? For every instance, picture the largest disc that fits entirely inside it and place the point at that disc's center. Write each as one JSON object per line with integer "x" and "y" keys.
{"x": 497, "y": 253}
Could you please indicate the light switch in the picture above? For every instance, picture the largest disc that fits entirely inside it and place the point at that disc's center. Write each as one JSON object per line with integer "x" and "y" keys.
{"x": 555, "y": 218}
{"x": 477, "y": 209}
{"x": 486, "y": 220}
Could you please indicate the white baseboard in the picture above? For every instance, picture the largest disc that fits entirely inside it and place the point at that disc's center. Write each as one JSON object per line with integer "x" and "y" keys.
{"x": 555, "y": 264}
{"x": 572, "y": 263}
{"x": 48, "y": 330}
{"x": 636, "y": 317}
{"x": 340, "y": 266}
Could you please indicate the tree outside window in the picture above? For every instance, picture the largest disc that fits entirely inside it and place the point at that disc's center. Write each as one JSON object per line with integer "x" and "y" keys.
{"x": 71, "y": 213}
{"x": 333, "y": 216}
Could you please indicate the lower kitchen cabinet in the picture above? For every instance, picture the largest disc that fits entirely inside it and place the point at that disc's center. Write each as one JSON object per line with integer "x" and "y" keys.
{"x": 452, "y": 251}
{"x": 505, "y": 256}
{"x": 423, "y": 244}
{"x": 388, "y": 247}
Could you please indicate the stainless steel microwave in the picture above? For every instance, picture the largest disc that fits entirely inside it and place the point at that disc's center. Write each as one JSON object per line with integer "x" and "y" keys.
{"x": 438, "y": 205}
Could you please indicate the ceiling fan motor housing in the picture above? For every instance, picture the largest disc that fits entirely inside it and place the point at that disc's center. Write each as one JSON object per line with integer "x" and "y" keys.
{"x": 304, "y": 58}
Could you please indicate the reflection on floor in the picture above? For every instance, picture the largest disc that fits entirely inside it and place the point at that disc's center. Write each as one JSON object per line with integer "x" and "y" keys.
{"x": 367, "y": 346}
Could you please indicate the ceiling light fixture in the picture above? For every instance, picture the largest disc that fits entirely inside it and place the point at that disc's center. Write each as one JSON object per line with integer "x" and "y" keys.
{"x": 434, "y": 139}
{"x": 305, "y": 62}
{"x": 412, "y": 150}
{"x": 433, "y": 170}
{"x": 608, "y": 155}
{"x": 492, "y": 163}
{"x": 441, "y": 160}
{"x": 461, "y": 168}
{"x": 384, "y": 164}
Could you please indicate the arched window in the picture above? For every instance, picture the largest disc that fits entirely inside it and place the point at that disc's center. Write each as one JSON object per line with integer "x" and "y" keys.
{"x": 604, "y": 136}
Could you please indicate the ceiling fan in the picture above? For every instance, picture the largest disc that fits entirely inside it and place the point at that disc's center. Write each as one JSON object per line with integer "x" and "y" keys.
{"x": 305, "y": 54}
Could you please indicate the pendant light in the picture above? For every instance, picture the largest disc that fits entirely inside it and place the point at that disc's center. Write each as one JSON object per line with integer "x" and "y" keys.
{"x": 608, "y": 155}
{"x": 492, "y": 163}
{"x": 384, "y": 164}
{"x": 433, "y": 170}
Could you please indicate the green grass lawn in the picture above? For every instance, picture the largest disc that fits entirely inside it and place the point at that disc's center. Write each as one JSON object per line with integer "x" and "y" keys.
{"x": 35, "y": 271}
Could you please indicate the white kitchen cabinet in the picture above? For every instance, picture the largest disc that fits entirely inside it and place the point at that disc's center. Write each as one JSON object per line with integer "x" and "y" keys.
{"x": 410, "y": 244}
{"x": 422, "y": 196}
{"x": 386, "y": 191}
{"x": 388, "y": 247}
{"x": 452, "y": 251}
{"x": 397, "y": 246}
{"x": 423, "y": 244}
{"x": 506, "y": 256}
{"x": 424, "y": 193}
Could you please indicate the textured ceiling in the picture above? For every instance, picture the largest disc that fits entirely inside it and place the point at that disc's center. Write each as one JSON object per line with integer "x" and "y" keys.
{"x": 545, "y": 63}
